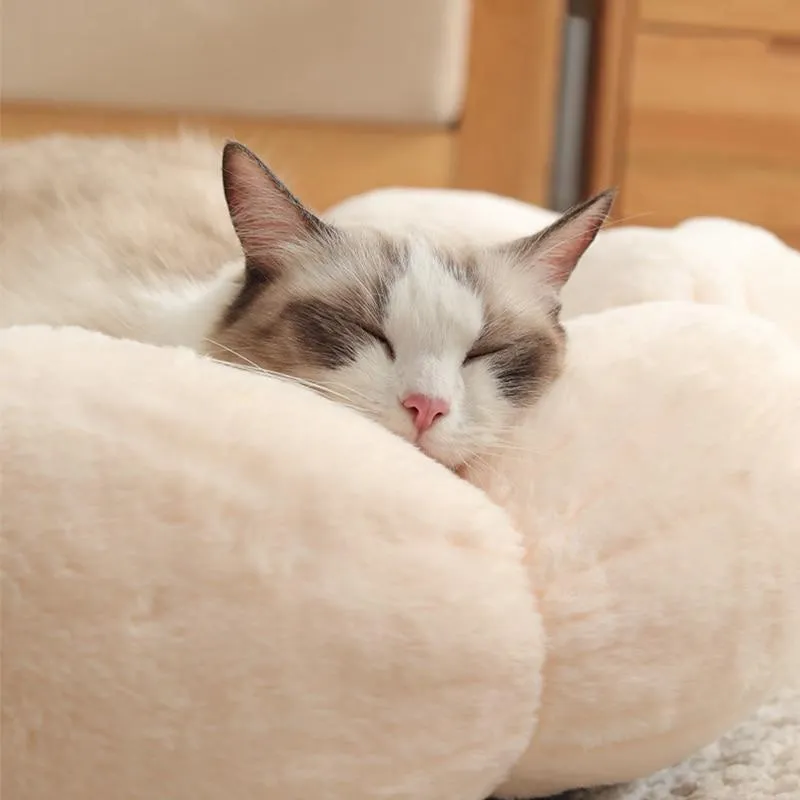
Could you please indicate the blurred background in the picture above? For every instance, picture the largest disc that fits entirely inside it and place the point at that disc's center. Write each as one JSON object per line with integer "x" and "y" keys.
{"x": 690, "y": 107}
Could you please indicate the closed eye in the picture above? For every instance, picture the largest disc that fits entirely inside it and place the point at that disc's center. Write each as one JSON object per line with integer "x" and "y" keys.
{"x": 483, "y": 352}
{"x": 379, "y": 337}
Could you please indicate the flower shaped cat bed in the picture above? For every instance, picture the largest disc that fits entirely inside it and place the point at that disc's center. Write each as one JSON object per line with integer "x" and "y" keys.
{"x": 221, "y": 586}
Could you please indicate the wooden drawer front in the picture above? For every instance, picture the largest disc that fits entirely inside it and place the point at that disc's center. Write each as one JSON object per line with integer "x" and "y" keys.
{"x": 714, "y": 129}
{"x": 779, "y": 17}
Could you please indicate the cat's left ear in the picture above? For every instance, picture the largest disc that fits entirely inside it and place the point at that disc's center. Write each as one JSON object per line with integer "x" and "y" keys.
{"x": 555, "y": 251}
{"x": 266, "y": 216}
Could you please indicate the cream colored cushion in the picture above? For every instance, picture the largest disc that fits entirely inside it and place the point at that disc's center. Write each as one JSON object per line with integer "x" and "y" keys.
{"x": 216, "y": 585}
{"x": 390, "y": 60}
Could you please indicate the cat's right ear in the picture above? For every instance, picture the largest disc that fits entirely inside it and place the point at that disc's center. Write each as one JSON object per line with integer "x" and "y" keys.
{"x": 266, "y": 216}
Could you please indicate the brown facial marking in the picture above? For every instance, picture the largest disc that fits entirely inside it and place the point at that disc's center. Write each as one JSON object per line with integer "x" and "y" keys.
{"x": 326, "y": 332}
{"x": 462, "y": 266}
{"x": 393, "y": 251}
{"x": 525, "y": 367}
{"x": 393, "y": 261}
{"x": 255, "y": 282}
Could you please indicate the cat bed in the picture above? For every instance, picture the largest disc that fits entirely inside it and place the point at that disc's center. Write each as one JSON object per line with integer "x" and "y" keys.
{"x": 218, "y": 585}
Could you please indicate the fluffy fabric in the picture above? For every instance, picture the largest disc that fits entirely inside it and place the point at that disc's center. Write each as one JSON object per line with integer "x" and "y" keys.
{"x": 219, "y": 586}
{"x": 237, "y": 607}
{"x": 655, "y": 486}
{"x": 207, "y": 595}
{"x": 703, "y": 260}
{"x": 451, "y": 215}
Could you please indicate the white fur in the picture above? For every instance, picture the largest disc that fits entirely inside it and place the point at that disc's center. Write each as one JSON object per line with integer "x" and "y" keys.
{"x": 131, "y": 238}
{"x": 432, "y": 321}
{"x": 170, "y": 310}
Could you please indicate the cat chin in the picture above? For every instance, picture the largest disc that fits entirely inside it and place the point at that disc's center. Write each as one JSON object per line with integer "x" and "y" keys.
{"x": 444, "y": 455}
{"x": 433, "y": 450}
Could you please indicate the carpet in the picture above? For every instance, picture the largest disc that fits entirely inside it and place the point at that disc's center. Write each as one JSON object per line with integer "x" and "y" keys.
{"x": 759, "y": 760}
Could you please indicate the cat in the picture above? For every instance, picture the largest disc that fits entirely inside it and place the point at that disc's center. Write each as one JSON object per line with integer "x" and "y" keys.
{"x": 443, "y": 345}
{"x": 129, "y": 237}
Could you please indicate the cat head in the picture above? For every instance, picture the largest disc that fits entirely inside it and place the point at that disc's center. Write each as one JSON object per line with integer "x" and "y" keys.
{"x": 441, "y": 346}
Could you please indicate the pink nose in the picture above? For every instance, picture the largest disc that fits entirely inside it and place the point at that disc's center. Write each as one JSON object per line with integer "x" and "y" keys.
{"x": 425, "y": 410}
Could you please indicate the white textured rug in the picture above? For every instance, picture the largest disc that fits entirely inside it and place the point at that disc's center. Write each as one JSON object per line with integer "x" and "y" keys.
{"x": 759, "y": 760}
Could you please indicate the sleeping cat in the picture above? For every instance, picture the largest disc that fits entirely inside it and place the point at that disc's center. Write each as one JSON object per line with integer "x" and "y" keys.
{"x": 441, "y": 345}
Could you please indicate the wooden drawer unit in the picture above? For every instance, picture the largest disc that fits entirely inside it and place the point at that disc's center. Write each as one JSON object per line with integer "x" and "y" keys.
{"x": 752, "y": 16}
{"x": 707, "y": 114}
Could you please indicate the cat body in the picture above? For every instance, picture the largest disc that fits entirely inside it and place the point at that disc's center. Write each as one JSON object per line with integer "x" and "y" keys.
{"x": 437, "y": 338}
{"x": 128, "y": 237}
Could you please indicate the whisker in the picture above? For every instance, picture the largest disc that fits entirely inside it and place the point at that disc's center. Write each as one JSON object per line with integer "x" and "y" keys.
{"x": 349, "y": 389}
{"x": 254, "y": 369}
{"x": 477, "y": 459}
{"x": 343, "y": 398}
{"x": 233, "y": 353}
{"x": 252, "y": 366}
{"x": 504, "y": 447}
{"x": 623, "y": 220}
{"x": 605, "y": 226}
